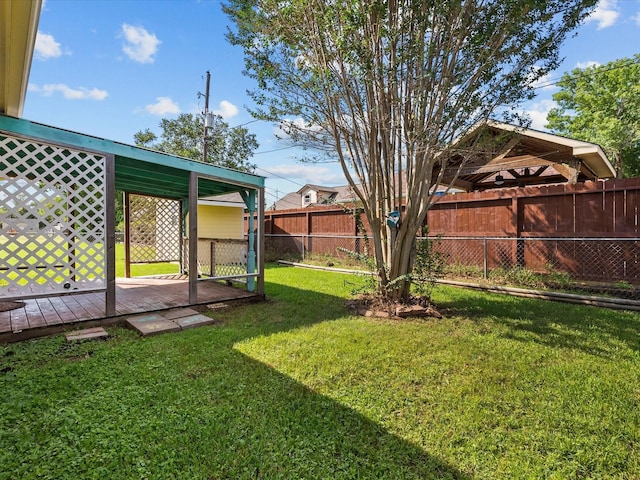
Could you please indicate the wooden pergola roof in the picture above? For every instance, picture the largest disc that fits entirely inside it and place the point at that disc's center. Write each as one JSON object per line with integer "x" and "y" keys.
{"x": 502, "y": 155}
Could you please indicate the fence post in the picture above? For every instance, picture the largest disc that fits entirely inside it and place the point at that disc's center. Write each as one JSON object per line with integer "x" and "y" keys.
{"x": 486, "y": 273}
{"x": 212, "y": 261}
{"x": 302, "y": 240}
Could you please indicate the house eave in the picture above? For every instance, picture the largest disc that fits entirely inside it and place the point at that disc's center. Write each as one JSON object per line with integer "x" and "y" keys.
{"x": 18, "y": 30}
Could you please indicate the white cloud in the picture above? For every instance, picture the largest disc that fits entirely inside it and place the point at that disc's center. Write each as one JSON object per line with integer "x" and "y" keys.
{"x": 227, "y": 110}
{"x": 163, "y": 106}
{"x": 587, "y": 64}
{"x": 140, "y": 45}
{"x": 606, "y": 14}
{"x": 46, "y": 47}
{"x": 304, "y": 173}
{"x": 69, "y": 93}
{"x": 636, "y": 18}
{"x": 538, "y": 113}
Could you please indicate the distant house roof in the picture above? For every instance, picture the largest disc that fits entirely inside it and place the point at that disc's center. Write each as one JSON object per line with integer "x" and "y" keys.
{"x": 224, "y": 200}
{"x": 288, "y": 202}
{"x": 317, "y": 188}
{"x": 293, "y": 200}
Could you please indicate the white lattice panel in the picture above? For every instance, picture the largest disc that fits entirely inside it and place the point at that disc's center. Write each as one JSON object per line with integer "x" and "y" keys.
{"x": 52, "y": 218}
{"x": 154, "y": 229}
{"x": 219, "y": 257}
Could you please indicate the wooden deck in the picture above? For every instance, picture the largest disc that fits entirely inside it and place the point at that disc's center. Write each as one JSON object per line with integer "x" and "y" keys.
{"x": 48, "y": 315}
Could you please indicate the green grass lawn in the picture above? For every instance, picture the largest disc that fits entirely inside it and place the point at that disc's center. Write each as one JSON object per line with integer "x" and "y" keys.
{"x": 141, "y": 269}
{"x": 296, "y": 388}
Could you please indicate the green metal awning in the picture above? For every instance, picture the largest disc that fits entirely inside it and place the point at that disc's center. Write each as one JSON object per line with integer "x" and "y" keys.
{"x": 142, "y": 171}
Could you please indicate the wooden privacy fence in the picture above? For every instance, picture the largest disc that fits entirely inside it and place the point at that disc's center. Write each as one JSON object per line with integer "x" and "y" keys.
{"x": 590, "y": 209}
{"x": 587, "y": 230}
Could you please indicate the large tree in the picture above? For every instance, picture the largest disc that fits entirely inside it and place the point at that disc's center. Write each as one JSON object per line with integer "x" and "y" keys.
{"x": 230, "y": 147}
{"x": 601, "y": 104}
{"x": 386, "y": 86}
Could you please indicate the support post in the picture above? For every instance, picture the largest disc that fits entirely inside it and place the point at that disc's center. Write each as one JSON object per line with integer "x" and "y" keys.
{"x": 127, "y": 235}
{"x": 193, "y": 238}
{"x": 260, "y": 290}
{"x": 110, "y": 235}
{"x": 251, "y": 252}
{"x": 212, "y": 259}
{"x": 486, "y": 266}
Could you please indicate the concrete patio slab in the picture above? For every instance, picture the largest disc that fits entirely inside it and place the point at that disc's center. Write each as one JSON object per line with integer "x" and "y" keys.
{"x": 179, "y": 313}
{"x": 152, "y": 324}
{"x": 194, "y": 321}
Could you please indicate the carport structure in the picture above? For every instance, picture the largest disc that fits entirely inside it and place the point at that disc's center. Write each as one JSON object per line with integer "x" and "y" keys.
{"x": 57, "y": 210}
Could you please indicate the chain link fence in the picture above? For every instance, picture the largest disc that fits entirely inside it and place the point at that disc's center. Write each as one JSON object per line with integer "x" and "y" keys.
{"x": 316, "y": 248}
{"x": 593, "y": 266}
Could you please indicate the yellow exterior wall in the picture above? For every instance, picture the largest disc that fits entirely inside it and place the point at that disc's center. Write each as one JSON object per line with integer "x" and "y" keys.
{"x": 220, "y": 222}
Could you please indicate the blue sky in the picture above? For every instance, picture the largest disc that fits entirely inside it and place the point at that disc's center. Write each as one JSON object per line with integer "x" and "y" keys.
{"x": 111, "y": 68}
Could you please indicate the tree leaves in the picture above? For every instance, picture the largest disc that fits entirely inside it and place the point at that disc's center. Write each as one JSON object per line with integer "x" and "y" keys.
{"x": 184, "y": 136}
{"x": 601, "y": 104}
{"x": 392, "y": 84}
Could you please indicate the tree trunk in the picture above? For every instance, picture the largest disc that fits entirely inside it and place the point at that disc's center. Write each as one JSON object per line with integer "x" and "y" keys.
{"x": 401, "y": 261}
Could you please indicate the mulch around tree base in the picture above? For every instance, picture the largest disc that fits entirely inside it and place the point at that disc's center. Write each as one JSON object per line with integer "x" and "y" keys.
{"x": 371, "y": 307}
{"x": 6, "y": 306}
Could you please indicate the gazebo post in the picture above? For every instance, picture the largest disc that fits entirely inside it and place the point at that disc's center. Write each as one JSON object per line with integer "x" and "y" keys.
{"x": 110, "y": 235}
{"x": 251, "y": 252}
{"x": 260, "y": 241}
{"x": 193, "y": 237}
{"x": 127, "y": 235}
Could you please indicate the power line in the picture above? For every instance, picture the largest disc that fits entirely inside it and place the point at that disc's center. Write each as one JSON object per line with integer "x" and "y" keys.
{"x": 277, "y": 149}
{"x": 592, "y": 73}
{"x": 279, "y": 176}
{"x": 247, "y": 123}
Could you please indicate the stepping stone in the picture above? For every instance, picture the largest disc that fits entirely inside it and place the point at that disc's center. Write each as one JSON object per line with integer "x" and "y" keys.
{"x": 152, "y": 324}
{"x": 147, "y": 317}
{"x": 194, "y": 321}
{"x": 217, "y": 306}
{"x": 86, "y": 334}
{"x": 179, "y": 313}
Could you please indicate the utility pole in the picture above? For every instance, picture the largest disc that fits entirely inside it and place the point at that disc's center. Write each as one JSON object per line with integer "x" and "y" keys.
{"x": 206, "y": 117}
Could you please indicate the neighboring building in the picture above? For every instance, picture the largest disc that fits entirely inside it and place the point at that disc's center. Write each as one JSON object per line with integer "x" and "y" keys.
{"x": 221, "y": 217}
{"x": 313, "y": 195}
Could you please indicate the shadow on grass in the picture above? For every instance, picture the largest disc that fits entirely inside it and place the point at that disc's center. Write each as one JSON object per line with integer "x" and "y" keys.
{"x": 188, "y": 405}
{"x": 285, "y": 430}
{"x": 593, "y": 330}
